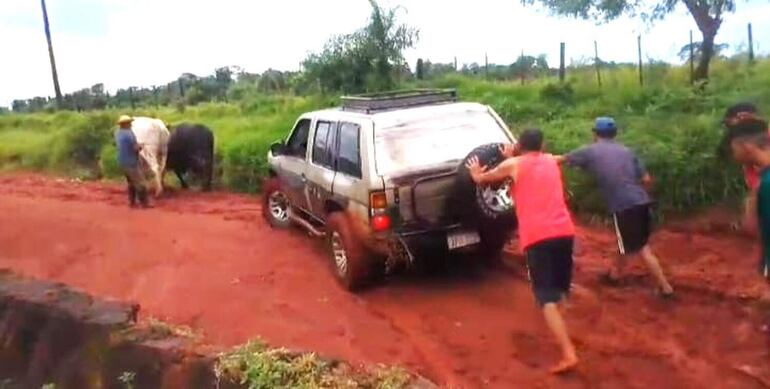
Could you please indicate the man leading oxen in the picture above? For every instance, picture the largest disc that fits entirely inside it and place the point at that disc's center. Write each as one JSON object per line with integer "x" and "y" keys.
{"x": 153, "y": 135}
{"x": 191, "y": 148}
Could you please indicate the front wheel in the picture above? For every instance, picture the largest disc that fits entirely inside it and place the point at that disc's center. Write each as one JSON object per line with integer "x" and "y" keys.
{"x": 275, "y": 204}
{"x": 350, "y": 261}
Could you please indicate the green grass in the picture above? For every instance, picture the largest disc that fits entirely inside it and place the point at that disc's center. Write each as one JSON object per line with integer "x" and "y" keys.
{"x": 673, "y": 126}
{"x": 257, "y": 366}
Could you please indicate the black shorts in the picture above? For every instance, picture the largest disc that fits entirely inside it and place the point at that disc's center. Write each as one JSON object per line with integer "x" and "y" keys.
{"x": 550, "y": 269}
{"x": 633, "y": 227}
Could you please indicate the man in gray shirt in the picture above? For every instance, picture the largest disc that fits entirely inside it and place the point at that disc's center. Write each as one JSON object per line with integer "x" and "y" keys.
{"x": 622, "y": 179}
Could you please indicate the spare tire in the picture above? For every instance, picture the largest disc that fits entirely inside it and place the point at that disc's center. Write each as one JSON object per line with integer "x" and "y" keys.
{"x": 483, "y": 206}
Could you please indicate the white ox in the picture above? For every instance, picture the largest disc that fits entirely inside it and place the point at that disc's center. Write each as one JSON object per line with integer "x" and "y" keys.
{"x": 153, "y": 135}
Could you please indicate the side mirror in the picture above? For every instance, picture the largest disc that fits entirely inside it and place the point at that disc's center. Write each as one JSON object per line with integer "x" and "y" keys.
{"x": 278, "y": 148}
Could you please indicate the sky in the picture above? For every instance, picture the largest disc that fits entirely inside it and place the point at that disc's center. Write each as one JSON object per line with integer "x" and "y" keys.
{"x": 125, "y": 43}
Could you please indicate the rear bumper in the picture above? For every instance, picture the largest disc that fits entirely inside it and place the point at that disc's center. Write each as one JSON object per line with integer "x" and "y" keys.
{"x": 410, "y": 245}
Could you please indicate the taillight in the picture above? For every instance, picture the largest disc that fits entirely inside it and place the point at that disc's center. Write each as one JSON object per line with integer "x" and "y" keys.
{"x": 381, "y": 222}
{"x": 378, "y": 205}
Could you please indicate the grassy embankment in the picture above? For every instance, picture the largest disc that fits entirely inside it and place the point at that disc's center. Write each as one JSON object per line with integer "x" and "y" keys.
{"x": 674, "y": 129}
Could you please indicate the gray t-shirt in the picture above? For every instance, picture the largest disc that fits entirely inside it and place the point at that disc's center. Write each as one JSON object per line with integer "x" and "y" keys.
{"x": 617, "y": 170}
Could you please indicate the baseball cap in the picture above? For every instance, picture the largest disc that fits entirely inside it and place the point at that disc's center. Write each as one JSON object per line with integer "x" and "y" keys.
{"x": 605, "y": 124}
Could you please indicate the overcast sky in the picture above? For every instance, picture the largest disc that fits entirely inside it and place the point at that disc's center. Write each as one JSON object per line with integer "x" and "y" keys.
{"x": 144, "y": 42}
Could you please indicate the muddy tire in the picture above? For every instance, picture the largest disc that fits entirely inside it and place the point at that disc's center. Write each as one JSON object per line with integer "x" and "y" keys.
{"x": 350, "y": 261}
{"x": 487, "y": 208}
{"x": 275, "y": 204}
{"x": 493, "y": 240}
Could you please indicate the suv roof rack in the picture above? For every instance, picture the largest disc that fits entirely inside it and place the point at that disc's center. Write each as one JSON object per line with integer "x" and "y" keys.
{"x": 371, "y": 102}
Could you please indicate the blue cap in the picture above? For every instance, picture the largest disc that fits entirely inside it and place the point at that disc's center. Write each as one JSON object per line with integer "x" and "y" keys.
{"x": 605, "y": 124}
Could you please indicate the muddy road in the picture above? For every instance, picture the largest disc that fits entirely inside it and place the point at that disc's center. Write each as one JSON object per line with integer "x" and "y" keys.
{"x": 210, "y": 262}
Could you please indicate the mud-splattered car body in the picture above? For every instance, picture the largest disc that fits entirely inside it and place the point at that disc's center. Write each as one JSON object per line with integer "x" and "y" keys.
{"x": 389, "y": 172}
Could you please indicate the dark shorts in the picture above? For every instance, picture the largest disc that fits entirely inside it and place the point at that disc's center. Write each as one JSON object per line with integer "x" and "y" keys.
{"x": 550, "y": 269}
{"x": 633, "y": 227}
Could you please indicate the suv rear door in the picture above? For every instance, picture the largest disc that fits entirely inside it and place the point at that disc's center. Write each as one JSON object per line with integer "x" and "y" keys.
{"x": 336, "y": 168}
{"x": 321, "y": 170}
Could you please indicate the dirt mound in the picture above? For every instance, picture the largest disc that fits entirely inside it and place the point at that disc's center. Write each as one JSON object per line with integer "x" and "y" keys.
{"x": 54, "y": 334}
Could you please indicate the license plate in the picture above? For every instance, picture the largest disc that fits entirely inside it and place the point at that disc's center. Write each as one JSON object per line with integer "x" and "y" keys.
{"x": 456, "y": 240}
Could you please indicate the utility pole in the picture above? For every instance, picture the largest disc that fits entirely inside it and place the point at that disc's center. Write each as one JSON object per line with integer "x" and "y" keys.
{"x": 486, "y": 65}
{"x": 55, "y": 75}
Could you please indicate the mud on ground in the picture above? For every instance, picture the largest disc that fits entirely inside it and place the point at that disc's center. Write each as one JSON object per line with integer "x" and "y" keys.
{"x": 208, "y": 261}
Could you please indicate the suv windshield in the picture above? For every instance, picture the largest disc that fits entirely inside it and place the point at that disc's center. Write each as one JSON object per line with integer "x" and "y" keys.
{"x": 434, "y": 140}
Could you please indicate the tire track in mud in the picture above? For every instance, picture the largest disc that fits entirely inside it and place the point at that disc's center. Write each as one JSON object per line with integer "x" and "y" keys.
{"x": 469, "y": 326}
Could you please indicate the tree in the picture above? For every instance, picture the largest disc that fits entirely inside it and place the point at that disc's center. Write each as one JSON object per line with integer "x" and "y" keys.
{"x": 708, "y": 16}
{"x": 419, "y": 69}
{"x": 684, "y": 52}
{"x": 369, "y": 59}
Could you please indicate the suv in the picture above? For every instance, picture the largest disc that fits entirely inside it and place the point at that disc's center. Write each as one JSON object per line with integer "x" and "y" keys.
{"x": 383, "y": 179}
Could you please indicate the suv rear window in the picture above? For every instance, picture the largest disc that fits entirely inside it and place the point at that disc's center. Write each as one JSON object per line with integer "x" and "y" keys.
{"x": 323, "y": 145}
{"x": 434, "y": 140}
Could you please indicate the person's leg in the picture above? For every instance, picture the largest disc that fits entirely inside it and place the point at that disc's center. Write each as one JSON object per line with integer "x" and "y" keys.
{"x": 550, "y": 274}
{"x": 619, "y": 263}
{"x": 131, "y": 191}
{"x": 653, "y": 265}
{"x": 141, "y": 187}
{"x": 555, "y": 322}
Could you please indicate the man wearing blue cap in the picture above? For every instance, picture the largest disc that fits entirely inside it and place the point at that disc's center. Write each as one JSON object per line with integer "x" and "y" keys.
{"x": 622, "y": 179}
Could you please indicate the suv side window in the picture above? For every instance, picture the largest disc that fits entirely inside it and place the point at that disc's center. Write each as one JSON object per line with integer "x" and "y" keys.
{"x": 349, "y": 158}
{"x": 324, "y": 144}
{"x": 297, "y": 143}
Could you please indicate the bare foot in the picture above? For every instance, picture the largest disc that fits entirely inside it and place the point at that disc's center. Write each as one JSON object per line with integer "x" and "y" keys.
{"x": 565, "y": 365}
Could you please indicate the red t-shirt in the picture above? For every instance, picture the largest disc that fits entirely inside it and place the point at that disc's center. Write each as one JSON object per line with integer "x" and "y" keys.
{"x": 538, "y": 192}
{"x": 751, "y": 175}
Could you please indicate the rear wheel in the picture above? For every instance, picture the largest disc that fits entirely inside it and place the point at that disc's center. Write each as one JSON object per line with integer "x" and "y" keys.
{"x": 349, "y": 259}
{"x": 275, "y": 204}
{"x": 487, "y": 205}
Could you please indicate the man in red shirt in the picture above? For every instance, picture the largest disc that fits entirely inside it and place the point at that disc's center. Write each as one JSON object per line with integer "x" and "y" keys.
{"x": 546, "y": 230}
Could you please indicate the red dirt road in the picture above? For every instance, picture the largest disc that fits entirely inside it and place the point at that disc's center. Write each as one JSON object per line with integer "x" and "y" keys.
{"x": 210, "y": 262}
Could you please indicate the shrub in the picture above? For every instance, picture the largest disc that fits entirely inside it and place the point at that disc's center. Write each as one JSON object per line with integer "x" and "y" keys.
{"x": 244, "y": 164}
{"x": 81, "y": 145}
{"x": 561, "y": 92}
{"x": 108, "y": 162}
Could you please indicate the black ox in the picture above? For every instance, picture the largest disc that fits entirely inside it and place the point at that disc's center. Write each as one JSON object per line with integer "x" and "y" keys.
{"x": 191, "y": 148}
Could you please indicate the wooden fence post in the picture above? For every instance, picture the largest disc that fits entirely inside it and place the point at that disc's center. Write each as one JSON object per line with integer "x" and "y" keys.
{"x": 597, "y": 64}
{"x": 692, "y": 60}
{"x": 561, "y": 62}
{"x": 639, "y": 47}
{"x": 751, "y": 45}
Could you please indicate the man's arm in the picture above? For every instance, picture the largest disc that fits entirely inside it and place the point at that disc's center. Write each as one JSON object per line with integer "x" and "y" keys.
{"x": 577, "y": 158}
{"x": 501, "y": 172}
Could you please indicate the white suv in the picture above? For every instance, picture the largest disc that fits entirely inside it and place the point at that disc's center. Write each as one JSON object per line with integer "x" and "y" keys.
{"x": 382, "y": 178}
